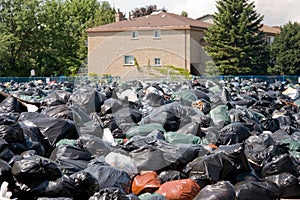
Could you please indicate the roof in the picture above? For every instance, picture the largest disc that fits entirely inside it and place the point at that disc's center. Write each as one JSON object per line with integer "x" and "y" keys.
{"x": 270, "y": 29}
{"x": 161, "y": 20}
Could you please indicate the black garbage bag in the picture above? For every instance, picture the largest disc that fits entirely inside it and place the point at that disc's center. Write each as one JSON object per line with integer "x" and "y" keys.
{"x": 55, "y": 98}
{"x": 270, "y": 124}
{"x": 71, "y": 159}
{"x": 35, "y": 169}
{"x": 85, "y": 184}
{"x": 256, "y": 145}
{"x": 280, "y": 164}
{"x": 33, "y": 135}
{"x": 5, "y": 172}
{"x": 172, "y": 116}
{"x": 244, "y": 100}
{"x": 112, "y": 193}
{"x": 284, "y": 120}
{"x": 87, "y": 124}
{"x": 12, "y": 133}
{"x": 7, "y": 155}
{"x": 149, "y": 158}
{"x": 288, "y": 183}
{"x": 127, "y": 117}
{"x": 67, "y": 151}
{"x": 203, "y": 120}
{"x": 62, "y": 187}
{"x": 171, "y": 175}
{"x": 225, "y": 96}
{"x": 255, "y": 190}
{"x": 59, "y": 111}
{"x": 110, "y": 106}
{"x": 94, "y": 145}
{"x": 281, "y": 137}
{"x": 222, "y": 190}
{"x": 233, "y": 133}
{"x": 191, "y": 128}
{"x": 12, "y": 104}
{"x": 8, "y": 118}
{"x": 201, "y": 95}
{"x": 87, "y": 98}
{"x": 153, "y": 99}
{"x": 210, "y": 169}
{"x": 211, "y": 134}
{"x": 237, "y": 155}
{"x": 108, "y": 176}
{"x": 246, "y": 117}
{"x": 179, "y": 155}
{"x": 54, "y": 129}
{"x": 138, "y": 141}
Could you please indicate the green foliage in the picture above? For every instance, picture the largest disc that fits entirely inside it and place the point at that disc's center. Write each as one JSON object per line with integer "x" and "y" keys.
{"x": 184, "y": 13}
{"x": 48, "y": 36}
{"x": 235, "y": 42}
{"x": 286, "y": 51}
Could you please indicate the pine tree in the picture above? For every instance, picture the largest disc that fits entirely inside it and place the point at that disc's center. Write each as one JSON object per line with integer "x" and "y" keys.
{"x": 235, "y": 42}
{"x": 286, "y": 51}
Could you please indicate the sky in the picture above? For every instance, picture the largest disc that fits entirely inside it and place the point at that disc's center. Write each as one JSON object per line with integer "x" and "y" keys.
{"x": 275, "y": 12}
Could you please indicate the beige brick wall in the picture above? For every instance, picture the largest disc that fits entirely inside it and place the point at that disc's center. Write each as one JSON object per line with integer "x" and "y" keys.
{"x": 106, "y": 50}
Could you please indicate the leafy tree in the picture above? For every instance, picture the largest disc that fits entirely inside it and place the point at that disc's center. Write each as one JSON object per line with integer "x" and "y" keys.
{"x": 184, "y": 13}
{"x": 47, "y": 35}
{"x": 19, "y": 36}
{"x": 235, "y": 41}
{"x": 286, "y": 51}
{"x": 142, "y": 11}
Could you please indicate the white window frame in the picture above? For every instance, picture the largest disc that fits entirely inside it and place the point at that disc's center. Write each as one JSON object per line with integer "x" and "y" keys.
{"x": 156, "y": 34}
{"x": 128, "y": 60}
{"x": 157, "y": 63}
{"x": 134, "y": 35}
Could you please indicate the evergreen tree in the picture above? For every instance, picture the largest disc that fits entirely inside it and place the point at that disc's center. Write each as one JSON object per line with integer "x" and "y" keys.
{"x": 286, "y": 51}
{"x": 235, "y": 41}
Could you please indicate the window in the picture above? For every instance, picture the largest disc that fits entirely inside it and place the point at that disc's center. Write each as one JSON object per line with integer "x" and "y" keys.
{"x": 156, "y": 34}
{"x": 128, "y": 60}
{"x": 134, "y": 35}
{"x": 271, "y": 39}
{"x": 157, "y": 62}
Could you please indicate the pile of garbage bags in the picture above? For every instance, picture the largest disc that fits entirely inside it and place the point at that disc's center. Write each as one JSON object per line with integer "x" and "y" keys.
{"x": 234, "y": 139}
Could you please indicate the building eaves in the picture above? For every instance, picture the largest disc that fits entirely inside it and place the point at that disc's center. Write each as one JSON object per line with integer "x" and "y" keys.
{"x": 163, "y": 21}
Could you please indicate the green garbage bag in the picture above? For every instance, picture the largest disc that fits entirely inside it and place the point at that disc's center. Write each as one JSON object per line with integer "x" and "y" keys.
{"x": 187, "y": 97}
{"x": 149, "y": 196}
{"x": 220, "y": 115}
{"x": 182, "y": 138}
{"x": 143, "y": 130}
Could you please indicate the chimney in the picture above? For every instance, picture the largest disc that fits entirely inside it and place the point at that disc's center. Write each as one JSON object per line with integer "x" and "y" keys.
{"x": 118, "y": 16}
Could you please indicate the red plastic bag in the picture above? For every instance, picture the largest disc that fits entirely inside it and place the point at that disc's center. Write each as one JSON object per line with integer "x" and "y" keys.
{"x": 184, "y": 189}
{"x": 145, "y": 182}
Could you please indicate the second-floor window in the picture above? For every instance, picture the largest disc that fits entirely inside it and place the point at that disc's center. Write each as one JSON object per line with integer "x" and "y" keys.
{"x": 134, "y": 35}
{"x": 156, "y": 34}
{"x": 128, "y": 60}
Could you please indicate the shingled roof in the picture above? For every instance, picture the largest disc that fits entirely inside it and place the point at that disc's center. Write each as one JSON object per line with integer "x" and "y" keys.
{"x": 161, "y": 20}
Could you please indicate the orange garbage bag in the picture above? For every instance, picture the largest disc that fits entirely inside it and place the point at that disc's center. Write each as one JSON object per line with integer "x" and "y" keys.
{"x": 184, "y": 189}
{"x": 145, "y": 182}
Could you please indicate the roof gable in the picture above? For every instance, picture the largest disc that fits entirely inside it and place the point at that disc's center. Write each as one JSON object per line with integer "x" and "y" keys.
{"x": 161, "y": 20}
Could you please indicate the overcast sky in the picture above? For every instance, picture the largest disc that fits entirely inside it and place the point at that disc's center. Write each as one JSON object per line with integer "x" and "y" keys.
{"x": 276, "y": 12}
